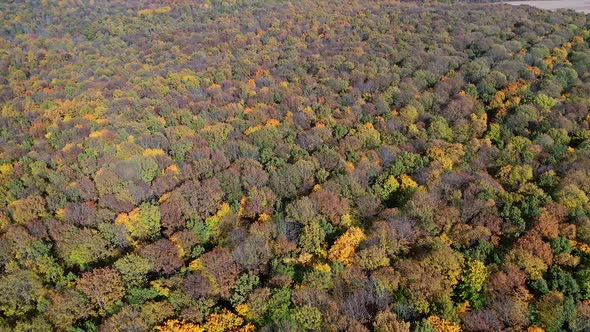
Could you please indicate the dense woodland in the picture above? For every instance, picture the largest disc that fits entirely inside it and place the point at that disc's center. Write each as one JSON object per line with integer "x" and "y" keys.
{"x": 293, "y": 166}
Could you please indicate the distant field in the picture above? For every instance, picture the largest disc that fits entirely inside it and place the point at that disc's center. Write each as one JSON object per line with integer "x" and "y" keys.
{"x": 577, "y": 5}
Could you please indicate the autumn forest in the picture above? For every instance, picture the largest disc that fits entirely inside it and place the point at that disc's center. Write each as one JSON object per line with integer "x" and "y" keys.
{"x": 275, "y": 165}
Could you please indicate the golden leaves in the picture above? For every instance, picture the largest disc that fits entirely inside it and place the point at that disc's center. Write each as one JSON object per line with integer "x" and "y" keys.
{"x": 343, "y": 250}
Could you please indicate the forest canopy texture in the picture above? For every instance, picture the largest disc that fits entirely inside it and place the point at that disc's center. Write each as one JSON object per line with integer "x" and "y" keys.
{"x": 293, "y": 166}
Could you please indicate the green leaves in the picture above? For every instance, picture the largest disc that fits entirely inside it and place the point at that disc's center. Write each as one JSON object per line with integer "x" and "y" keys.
{"x": 474, "y": 277}
{"x": 19, "y": 293}
{"x": 545, "y": 102}
{"x": 244, "y": 285}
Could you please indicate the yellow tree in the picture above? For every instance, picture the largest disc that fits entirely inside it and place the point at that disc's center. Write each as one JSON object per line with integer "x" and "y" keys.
{"x": 443, "y": 325}
{"x": 175, "y": 325}
{"x": 343, "y": 250}
{"x": 223, "y": 321}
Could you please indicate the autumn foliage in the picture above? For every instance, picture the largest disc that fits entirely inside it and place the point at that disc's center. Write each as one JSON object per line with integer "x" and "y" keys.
{"x": 268, "y": 165}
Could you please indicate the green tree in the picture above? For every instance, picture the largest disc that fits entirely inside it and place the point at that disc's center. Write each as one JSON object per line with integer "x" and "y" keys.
{"x": 142, "y": 222}
{"x": 474, "y": 278}
{"x": 545, "y": 102}
{"x": 133, "y": 269}
{"x": 244, "y": 285}
{"x": 572, "y": 197}
{"x": 19, "y": 292}
{"x": 308, "y": 317}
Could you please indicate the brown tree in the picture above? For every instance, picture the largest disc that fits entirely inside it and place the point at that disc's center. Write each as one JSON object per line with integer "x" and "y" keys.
{"x": 103, "y": 287}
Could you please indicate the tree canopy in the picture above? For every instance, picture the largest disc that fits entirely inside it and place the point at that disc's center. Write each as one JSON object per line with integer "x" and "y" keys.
{"x": 258, "y": 165}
